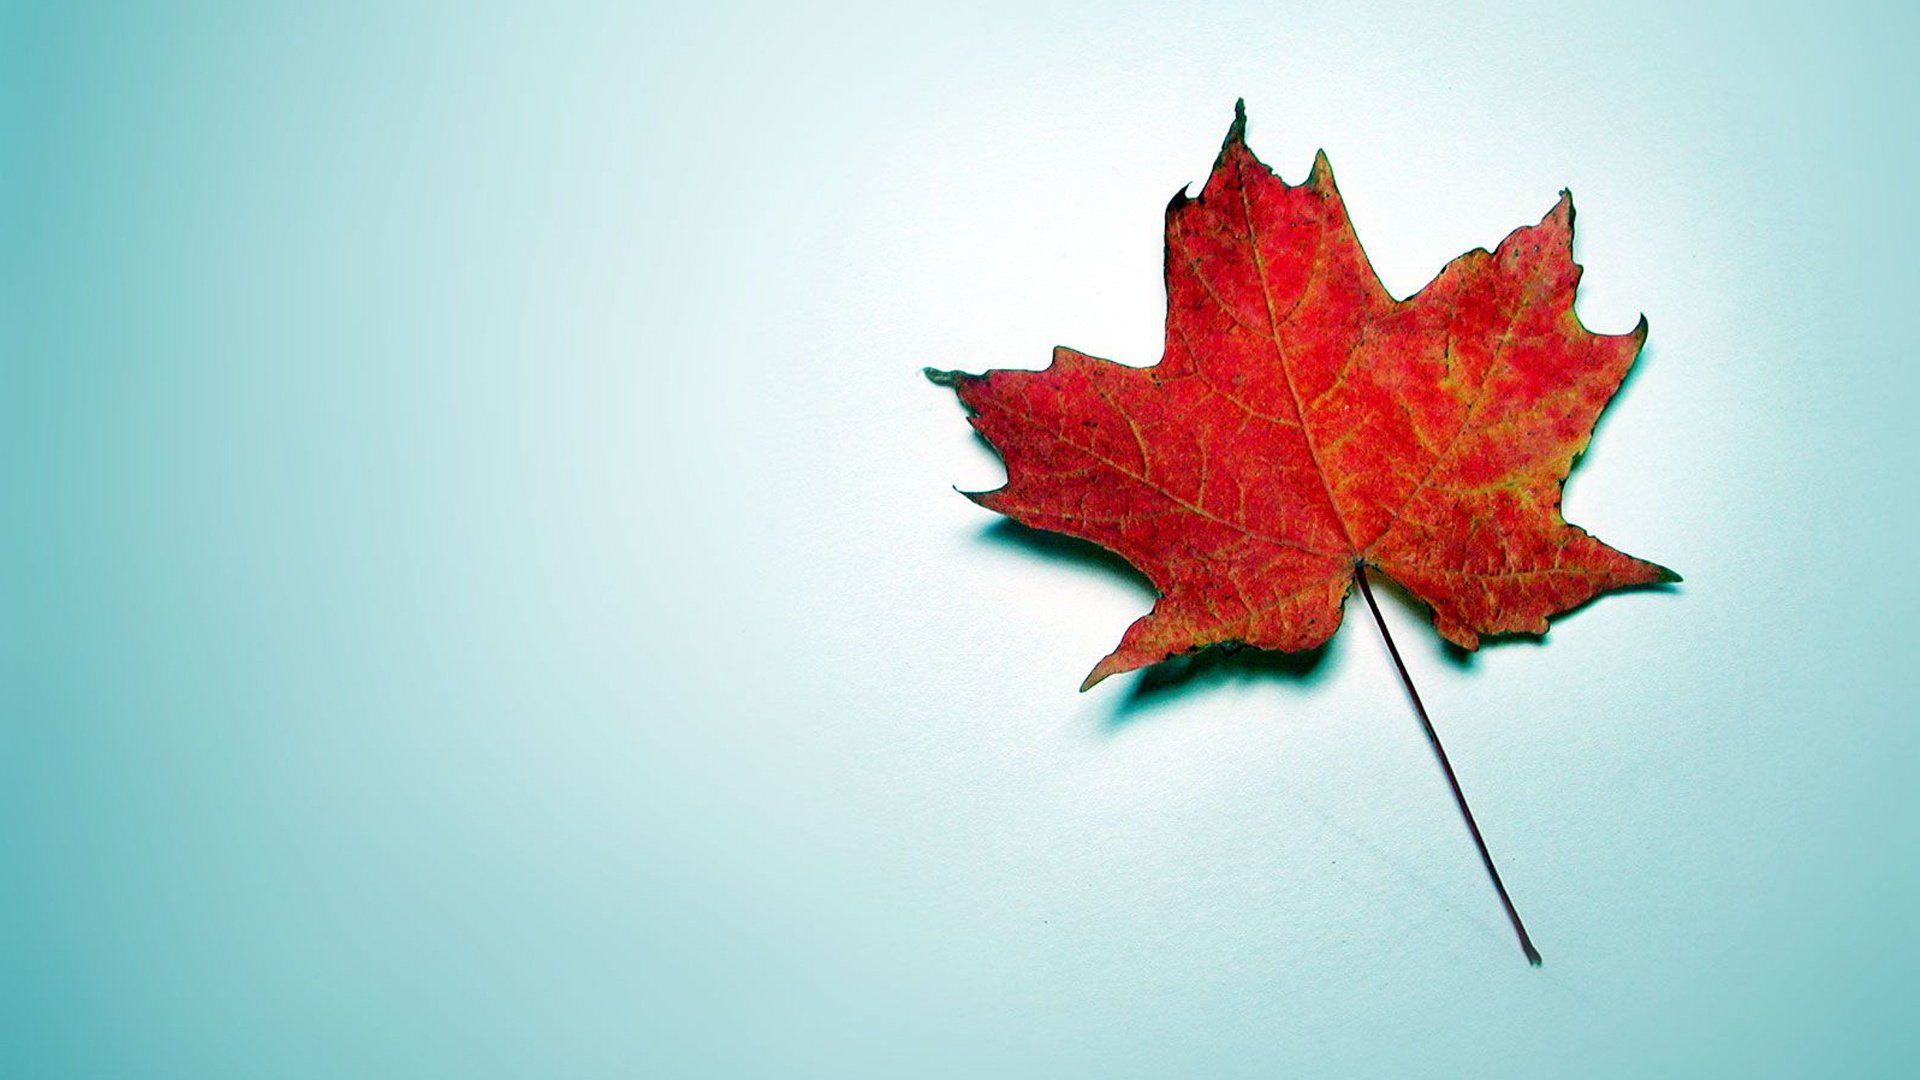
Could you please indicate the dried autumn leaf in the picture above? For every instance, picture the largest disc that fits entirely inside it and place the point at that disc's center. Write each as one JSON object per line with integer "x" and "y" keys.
{"x": 1303, "y": 425}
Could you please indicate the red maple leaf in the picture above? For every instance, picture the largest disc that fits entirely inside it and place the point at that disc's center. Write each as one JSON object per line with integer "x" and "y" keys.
{"x": 1302, "y": 425}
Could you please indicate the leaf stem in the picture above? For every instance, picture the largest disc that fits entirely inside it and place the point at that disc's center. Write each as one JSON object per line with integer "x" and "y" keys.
{"x": 1486, "y": 858}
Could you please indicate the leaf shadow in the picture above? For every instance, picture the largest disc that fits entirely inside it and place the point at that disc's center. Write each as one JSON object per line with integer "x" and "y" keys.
{"x": 1214, "y": 665}
{"x": 1008, "y": 533}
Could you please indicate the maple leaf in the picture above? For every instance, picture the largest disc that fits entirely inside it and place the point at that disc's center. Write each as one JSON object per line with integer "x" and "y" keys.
{"x": 1302, "y": 425}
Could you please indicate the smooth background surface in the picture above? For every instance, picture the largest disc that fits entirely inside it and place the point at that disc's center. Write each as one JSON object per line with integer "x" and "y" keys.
{"x": 484, "y": 597}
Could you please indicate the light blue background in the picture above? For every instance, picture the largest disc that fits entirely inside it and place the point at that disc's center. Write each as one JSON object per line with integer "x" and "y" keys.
{"x": 483, "y": 596}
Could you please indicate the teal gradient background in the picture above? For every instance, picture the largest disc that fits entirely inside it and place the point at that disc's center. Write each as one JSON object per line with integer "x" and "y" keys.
{"x": 483, "y": 594}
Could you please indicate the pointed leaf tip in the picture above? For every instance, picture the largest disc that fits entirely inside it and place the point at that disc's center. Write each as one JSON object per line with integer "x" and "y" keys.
{"x": 1321, "y": 173}
{"x": 1237, "y": 131}
{"x": 1562, "y": 210}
